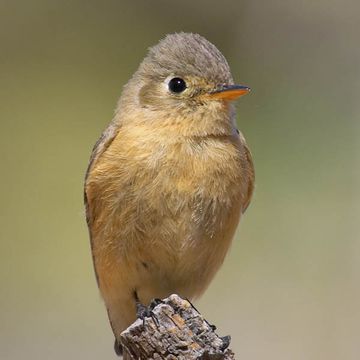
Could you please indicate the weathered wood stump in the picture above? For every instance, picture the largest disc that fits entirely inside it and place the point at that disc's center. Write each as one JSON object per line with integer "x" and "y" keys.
{"x": 176, "y": 330}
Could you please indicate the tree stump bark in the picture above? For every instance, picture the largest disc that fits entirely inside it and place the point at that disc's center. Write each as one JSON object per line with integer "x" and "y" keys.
{"x": 176, "y": 330}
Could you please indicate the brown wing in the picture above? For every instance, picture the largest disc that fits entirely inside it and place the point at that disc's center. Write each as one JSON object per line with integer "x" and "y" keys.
{"x": 250, "y": 173}
{"x": 100, "y": 147}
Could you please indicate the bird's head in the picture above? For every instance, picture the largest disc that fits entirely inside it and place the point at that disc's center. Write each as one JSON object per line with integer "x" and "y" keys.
{"x": 186, "y": 80}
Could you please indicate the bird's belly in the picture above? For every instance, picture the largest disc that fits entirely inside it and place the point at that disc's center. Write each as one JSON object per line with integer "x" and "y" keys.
{"x": 167, "y": 234}
{"x": 179, "y": 237}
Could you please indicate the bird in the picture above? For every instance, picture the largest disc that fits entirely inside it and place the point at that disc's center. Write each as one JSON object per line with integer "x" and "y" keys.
{"x": 168, "y": 180}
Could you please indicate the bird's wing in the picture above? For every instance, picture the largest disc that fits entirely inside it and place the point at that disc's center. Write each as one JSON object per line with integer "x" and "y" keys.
{"x": 250, "y": 175}
{"x": 100, "y": 147}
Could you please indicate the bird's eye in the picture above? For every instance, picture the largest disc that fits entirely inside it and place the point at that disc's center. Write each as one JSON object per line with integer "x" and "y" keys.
{"x": 177, "y": 85}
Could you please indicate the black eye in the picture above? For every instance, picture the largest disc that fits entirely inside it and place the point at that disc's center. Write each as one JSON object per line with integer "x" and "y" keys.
{"x": 177, "y": 85}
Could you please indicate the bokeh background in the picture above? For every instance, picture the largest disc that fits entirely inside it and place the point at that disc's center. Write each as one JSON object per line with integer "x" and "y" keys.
{"x": 289, "y": 288}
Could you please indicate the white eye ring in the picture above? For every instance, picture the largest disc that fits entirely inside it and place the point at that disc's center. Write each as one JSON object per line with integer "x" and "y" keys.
{"x": 175, "y": 84}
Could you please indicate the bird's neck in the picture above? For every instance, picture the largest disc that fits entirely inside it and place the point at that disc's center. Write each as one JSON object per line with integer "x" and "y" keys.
{"x": 176, "y": 125}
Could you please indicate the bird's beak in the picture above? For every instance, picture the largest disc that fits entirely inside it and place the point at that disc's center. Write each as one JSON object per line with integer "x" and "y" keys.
{"x": 228, "y": 92}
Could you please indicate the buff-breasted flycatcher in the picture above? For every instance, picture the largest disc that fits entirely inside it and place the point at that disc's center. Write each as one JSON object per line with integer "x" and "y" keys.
{"x": 168, "y": 179}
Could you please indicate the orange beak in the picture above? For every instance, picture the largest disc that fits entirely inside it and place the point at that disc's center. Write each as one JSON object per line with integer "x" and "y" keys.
{"x": 229, "y": 92}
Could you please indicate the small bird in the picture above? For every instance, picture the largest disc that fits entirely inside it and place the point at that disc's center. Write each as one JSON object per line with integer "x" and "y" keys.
{"x": 168, "y": 179}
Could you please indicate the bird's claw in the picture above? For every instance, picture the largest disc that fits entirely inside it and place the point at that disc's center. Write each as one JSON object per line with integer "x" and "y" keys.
{"x": 144, "y": 312}
{"x": 212, "y": 327}
{"x": 155, "y": 302}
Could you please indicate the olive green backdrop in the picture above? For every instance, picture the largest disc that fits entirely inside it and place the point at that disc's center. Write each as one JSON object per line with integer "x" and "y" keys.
{"x": 289, "y": 288}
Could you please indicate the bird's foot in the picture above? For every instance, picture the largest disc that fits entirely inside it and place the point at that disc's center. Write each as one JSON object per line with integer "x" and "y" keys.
{"x": 143, "y": 312}
{"x": 213, "y": 327}
{"x": 155, "y": 302}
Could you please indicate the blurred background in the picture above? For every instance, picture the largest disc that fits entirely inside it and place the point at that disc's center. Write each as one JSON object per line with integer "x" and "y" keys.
{"x": 290, "y": 285}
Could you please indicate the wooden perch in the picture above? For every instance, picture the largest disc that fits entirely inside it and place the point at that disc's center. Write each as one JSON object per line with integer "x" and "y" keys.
{"x": 176, "y": 330}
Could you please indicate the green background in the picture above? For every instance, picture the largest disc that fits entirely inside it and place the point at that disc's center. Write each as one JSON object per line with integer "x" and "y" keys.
{"x": 289, "y": 288}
